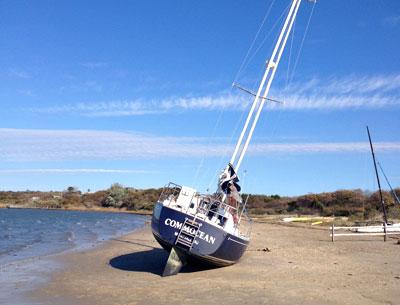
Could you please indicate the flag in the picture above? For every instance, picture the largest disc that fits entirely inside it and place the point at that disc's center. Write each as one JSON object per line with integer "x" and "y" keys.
{"x": 229, "y": 183}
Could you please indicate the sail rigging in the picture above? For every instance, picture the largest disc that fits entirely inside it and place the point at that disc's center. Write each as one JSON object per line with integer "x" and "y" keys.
{"x": 395, "y": 197}
{"x": 377, "y": 178}
{"x": 263, "y": 89}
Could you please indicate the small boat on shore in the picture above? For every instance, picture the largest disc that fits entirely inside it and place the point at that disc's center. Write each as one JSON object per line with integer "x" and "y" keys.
{"x": 379, "y": 229}
{"x": 386, "y": 227}
{"x": 214, "y": 228}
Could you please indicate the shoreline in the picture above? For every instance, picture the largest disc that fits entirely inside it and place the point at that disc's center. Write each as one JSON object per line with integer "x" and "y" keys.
{"x": 269, "y": 218}
{"x": 81, "y": 209}
{"x": 22, "y": 277}
{"x": 283, "y": 265}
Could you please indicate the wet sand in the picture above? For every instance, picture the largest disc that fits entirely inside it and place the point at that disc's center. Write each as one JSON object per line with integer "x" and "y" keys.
{"x": 301, "y": 266}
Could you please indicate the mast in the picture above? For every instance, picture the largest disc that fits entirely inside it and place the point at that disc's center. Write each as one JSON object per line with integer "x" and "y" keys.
{"x": 377, "y": 178}
{"x": 259, "y": 100}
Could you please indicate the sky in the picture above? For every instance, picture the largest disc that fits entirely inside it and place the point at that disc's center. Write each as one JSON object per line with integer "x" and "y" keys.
{"x": 140, "y": 93}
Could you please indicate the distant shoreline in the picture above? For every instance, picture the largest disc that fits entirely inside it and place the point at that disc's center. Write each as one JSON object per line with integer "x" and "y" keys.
{"x": 81, "y": 209}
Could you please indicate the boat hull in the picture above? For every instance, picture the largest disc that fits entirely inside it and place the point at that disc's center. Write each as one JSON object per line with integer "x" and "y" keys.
{"x": 212, "y": 245}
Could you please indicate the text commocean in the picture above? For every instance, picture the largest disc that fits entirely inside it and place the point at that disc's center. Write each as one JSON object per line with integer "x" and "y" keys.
{"x": 200, "y": 234}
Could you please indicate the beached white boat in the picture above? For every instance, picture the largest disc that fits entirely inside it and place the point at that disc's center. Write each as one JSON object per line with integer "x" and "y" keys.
{"x": 379, "y": 229}
{"x": 215, "y": 228}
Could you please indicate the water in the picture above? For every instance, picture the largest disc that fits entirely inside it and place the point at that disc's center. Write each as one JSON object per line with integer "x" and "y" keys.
{"x": 29, "y": 233}
{"x": 28, "y": 238}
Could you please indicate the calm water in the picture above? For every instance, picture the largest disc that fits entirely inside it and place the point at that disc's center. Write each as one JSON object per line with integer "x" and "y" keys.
{"x": 28, "y": 233}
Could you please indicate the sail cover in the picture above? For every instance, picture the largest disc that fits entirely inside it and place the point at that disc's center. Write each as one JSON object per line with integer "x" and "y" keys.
{"x": 229, "y": 183}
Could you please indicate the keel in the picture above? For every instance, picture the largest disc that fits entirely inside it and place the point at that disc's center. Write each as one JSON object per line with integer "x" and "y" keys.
{"x": 176, "y": 261}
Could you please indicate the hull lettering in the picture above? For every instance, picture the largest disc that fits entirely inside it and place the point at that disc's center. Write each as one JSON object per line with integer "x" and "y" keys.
{"x": 200, "y": 234}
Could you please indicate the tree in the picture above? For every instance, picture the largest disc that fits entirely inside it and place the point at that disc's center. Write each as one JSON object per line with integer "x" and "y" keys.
{"x": 72, "y": 196}
{"x": 116, "y": 195}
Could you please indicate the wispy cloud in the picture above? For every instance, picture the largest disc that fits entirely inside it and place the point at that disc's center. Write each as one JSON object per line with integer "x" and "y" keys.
{"x": 19, "y": 73}
{"x": 95, "y": 65}
{"x": 141, "y": 107}
{"x": 27, "y": 92}
{"x": 74, "y": 171}
{"x": 352, "y": 92}
{"x": 325, "y": 147}
{"x": 60, "y": 145}
{"x": 391, "y": 21}
{"x": 353, "y": 84}
{"x": 326, "y": 102}
{"x": 92, "y": 85}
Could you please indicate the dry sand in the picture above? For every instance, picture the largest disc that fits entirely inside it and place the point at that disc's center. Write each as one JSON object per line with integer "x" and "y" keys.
{"x": 302, "y": 267}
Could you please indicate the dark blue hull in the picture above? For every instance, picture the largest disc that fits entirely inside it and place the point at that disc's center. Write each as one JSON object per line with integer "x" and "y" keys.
{"x": 211, "y": 245}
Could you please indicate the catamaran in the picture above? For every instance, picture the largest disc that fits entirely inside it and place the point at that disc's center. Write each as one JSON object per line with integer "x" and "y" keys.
{"x": 386, "y": 227}
{"x": 215, "y": 228}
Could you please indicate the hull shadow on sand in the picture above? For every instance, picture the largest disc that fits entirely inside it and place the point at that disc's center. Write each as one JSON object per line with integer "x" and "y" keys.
{"x": 152, "y": 261}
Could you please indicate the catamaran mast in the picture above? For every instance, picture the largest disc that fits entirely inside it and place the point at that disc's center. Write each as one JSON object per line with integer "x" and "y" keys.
{"x": 377, "y": 178}
{"x": 259, "y": 100}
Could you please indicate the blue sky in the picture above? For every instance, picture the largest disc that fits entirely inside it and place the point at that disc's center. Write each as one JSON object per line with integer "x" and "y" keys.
{"x": 139, "y": 92}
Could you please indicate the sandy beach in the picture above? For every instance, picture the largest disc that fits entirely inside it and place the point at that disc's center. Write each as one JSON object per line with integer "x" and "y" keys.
{"x": 283, "y": 265}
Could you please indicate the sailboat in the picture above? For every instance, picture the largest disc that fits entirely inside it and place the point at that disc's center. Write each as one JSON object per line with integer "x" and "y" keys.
{"x": 386, "y": 227}
{"x": 215, "y": 229}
